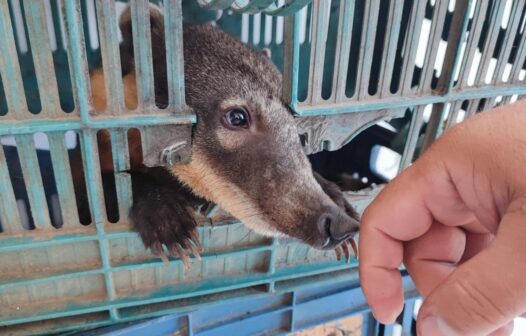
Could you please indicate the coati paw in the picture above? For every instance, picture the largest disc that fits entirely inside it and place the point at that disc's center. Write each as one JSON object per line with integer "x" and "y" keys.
{"x": 337, "y": 195}
{"x": 164, "y": 218}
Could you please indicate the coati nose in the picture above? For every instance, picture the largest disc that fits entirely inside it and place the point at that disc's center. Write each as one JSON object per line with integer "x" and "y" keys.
{"x": 336, "y": 226}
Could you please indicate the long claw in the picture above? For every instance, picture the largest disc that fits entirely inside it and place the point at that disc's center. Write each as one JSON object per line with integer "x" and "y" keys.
{"x": 183, "y": 256}
{"x": 195, "y": 251}
{"x": 157, "y": 250}
{"x": 195, "y": 238}
{"x": 173, "y": 251}
{"x": 346, "y": 252}
{"x": 338, "y": 251}
{"x": 354, "y": 248}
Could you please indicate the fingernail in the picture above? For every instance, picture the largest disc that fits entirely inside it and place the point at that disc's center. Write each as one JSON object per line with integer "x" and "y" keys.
{"x": 435, "y": 326}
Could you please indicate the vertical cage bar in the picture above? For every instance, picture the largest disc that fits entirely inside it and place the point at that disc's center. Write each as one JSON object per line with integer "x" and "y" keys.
{"x": 408, "y": 317}
{"x": 520, "y": 58}
{"x": 90, "y": 155}
{"x": 410, "y": 45}
{"x": 92, "y": 171}
{"x": 9, "y": 67}
{"x": 477, "y": 24}
{"x": 173, "y": 22}
{"x": 43, "y": 60}
{"x": 392, "y": 35}
{"x": 63, "y": 179}
{"x": 272, "y": 263}
{"x": 291, "y": 59}
{"x": 33, "y": 180}
{"x": 57, "y": 23}
{"x": 320, "y": 26}
{"x": 454, "y": 110}
{"x": 491, "y": 40}
{"x": 417, "y": 119}
{"x": 367, "y": 47}
{"x": 8, "y": 208}
{"x": 370, "y": 326}
{"x": 142, "y": 48}
{"x": 121, "y": 163}
{"x": 435, "y": 37}
{"x": 109, "y": 48}
{"x": 458, "y": 31}
{"x": 511, "y": 32}
{"x": 472, "y": 108}
{"x": 432, "y": 129}
{"x": 343, "y": 46}
{"x": 78, "y": 62}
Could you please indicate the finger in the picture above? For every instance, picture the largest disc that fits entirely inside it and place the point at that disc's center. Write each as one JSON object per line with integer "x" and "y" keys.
{"x": 476, "y": 242}
{"x": 432, "y": 257}
{"x": 486, "y": 292}
{"x": 503, "y": 331}
{"x": 403, "y": 211}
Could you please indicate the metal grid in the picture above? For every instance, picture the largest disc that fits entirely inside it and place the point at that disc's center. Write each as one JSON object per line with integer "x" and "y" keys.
{"x": 99, "y": 274}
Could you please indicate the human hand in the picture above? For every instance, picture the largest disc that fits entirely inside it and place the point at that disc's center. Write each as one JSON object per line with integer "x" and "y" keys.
{"x": 457, "y": 219}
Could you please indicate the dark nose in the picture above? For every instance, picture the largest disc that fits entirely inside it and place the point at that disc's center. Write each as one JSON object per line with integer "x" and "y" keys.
{"x": 336, "y": 225}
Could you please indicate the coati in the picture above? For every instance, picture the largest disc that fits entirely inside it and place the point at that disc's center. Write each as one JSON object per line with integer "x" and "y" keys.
{"x": 246, "y": 152}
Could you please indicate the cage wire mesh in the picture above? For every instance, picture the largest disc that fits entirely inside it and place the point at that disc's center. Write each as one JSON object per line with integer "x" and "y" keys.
{"x": 348, "y": 66}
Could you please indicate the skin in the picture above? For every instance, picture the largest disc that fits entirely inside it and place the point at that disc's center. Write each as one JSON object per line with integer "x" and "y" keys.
{"x": 457, "y": 219}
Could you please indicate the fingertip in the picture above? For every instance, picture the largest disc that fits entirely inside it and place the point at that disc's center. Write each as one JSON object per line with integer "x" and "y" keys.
{"x": 387, "y": 311}
{"x": 384, "y": 293}
{"x": 504, "y": 331}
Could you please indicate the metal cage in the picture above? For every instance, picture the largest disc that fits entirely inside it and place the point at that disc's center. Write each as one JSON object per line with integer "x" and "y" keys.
{"x": 347, "y": 64}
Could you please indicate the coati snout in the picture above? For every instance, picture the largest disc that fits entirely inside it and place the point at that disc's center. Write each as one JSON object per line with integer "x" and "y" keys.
{"x": 246, "y": 153}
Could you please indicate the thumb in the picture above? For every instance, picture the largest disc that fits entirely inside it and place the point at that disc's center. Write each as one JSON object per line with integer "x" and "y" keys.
{"x": 485, "y": 293}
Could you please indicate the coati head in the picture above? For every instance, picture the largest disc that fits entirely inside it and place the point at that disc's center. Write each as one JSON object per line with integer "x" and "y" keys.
{"x": 246, "y": 153}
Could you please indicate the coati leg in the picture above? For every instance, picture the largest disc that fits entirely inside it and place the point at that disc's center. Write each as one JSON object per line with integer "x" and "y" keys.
{"x": 163, "y": 209}
{"x": 163, "y": 214}
{"x": 336, "y": 194}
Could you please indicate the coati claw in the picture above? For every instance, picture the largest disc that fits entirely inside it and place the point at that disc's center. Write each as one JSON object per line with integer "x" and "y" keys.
{"x": 354, "y": 247}
{"x": 195, "y": 239}
{"x": 195, "y": 251}
{"x": 184, "y": 257}
{"x": 157, "y": 250}
{"x": 346, "y": 252}
{"x": 344, "y": 248}
{"x": 338, "y": 251}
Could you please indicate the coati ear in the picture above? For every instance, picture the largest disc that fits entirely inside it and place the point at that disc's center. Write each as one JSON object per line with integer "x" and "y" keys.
{"x": 157, "y": 34}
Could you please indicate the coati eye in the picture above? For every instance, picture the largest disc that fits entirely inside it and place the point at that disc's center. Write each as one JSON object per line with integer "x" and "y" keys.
{"x": 236, "y": 118}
